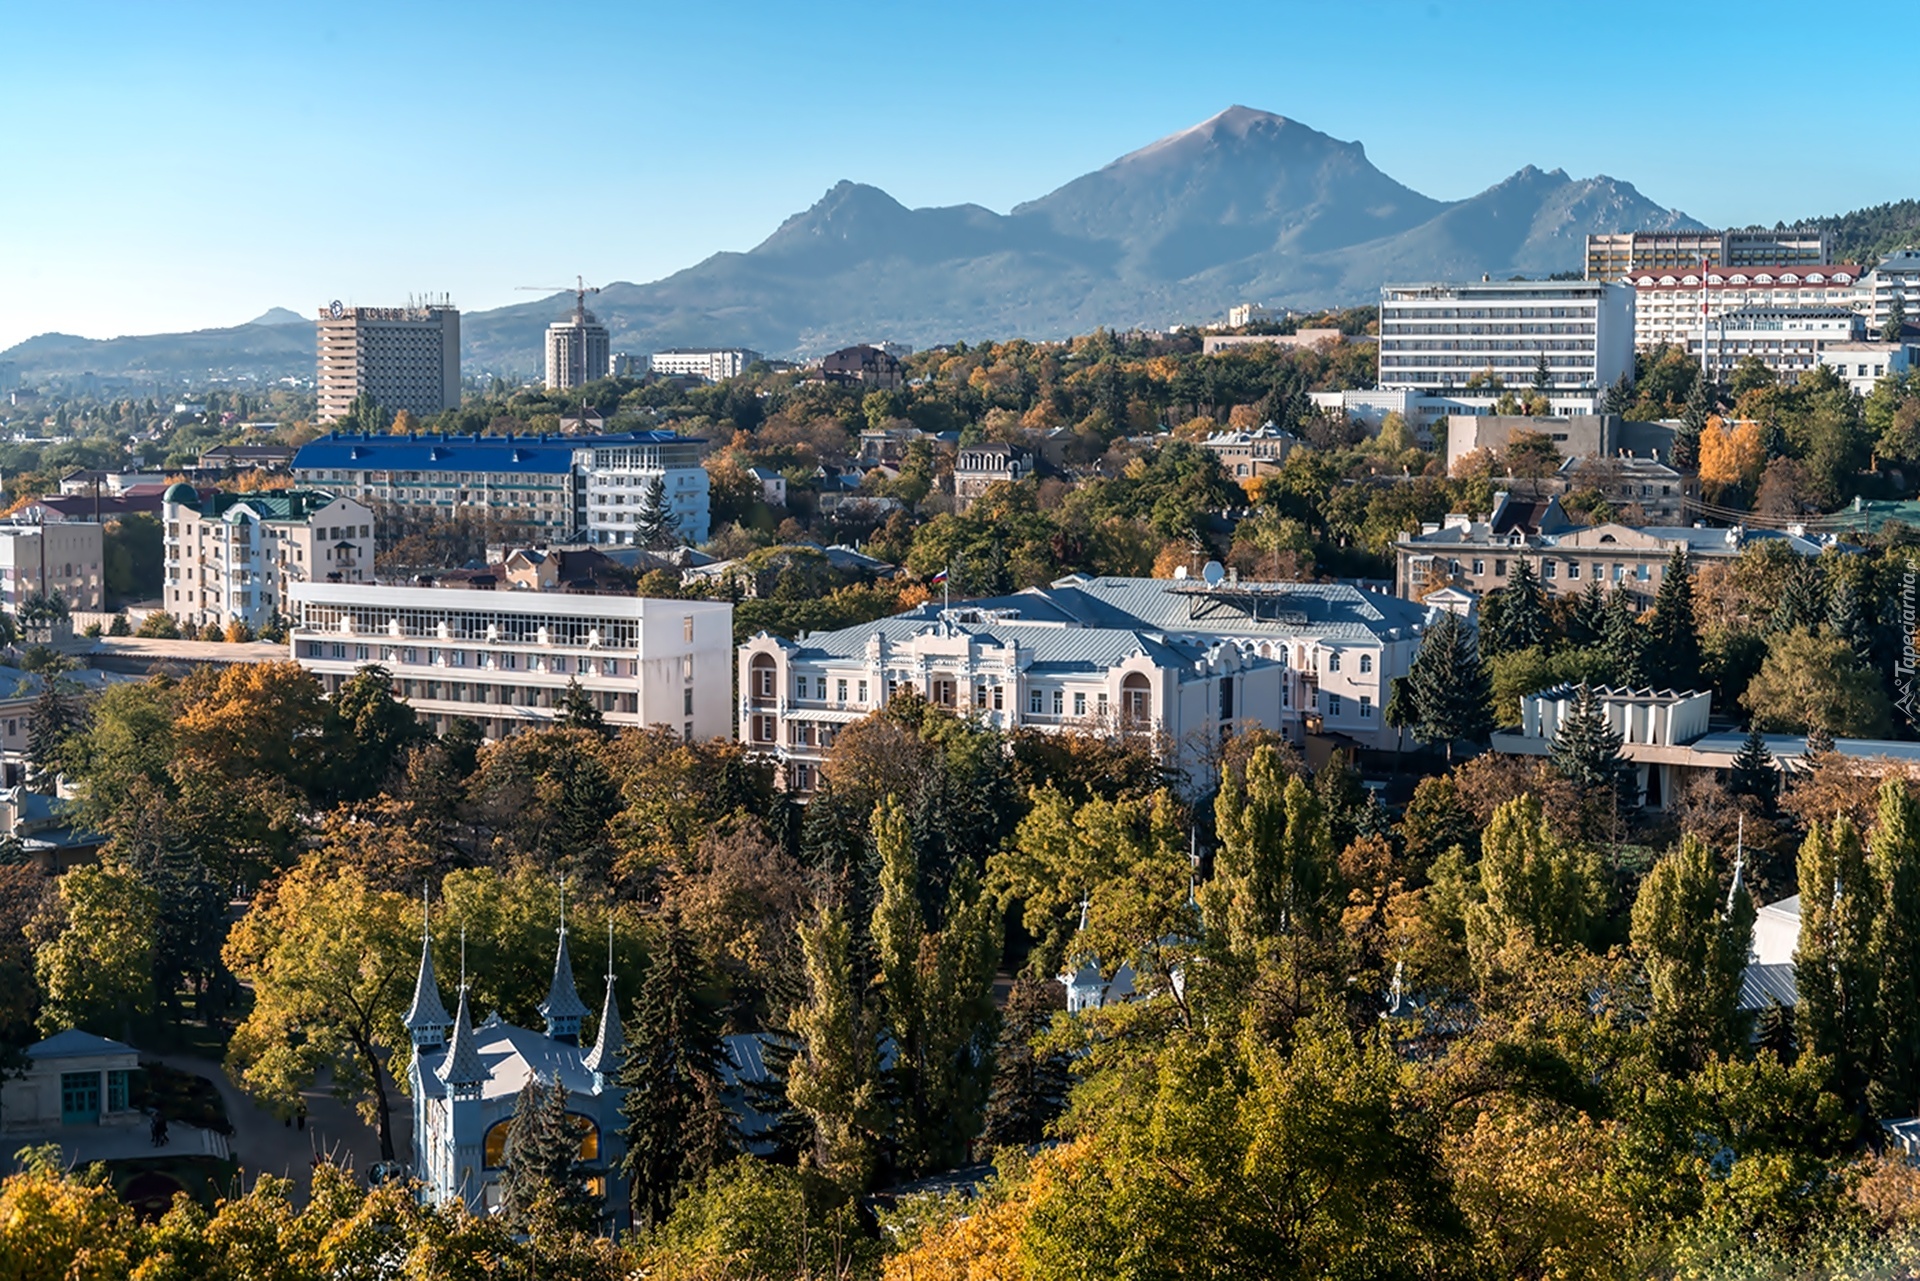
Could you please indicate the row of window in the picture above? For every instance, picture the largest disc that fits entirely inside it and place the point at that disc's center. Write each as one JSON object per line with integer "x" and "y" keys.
{"x": 557, "y": 664}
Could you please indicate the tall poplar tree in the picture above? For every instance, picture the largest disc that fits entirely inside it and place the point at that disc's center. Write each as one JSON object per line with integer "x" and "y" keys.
{"x": 1834, "y": 964}
{"x": 1673, "y": 652}
{"x": 1693, "y": 941}
{"x": 834, "y": 1077}
{"x": 1535, "y": 885}
{"x": 1448, "y": 696}
{"x": 1894, "y": 859}
{"x": 1274, "y": 870}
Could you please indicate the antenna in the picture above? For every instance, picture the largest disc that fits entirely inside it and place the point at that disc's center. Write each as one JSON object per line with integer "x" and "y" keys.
{"x": 463, "y": 958}
{"x": 563, "y": 907}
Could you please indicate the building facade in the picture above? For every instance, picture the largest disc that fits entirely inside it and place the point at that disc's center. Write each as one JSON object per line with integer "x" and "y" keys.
{"x": 1787, "y": 340}
{"x": 1471, "y": 342}
{"x": 978, "y": 467}
{"x": 864, "y": 366}
{"x": 403, "y": 357}
{"x": 1611, "y": 257}
{"x": 63, "y": 556}
{"x": 1669, "y": 302}
{"x": 230, "y": 558}
{"x": 578, "y": 352}
{"x": 1896, "y": 277}
{"x": 562, "y": 487}
{"x": 711, "y": 363}
{"x": 1862, "y": 364}
{"x": 1247, "y": 454}
{"x": 1180, "y": 660}
{"x": 506, "y": 658}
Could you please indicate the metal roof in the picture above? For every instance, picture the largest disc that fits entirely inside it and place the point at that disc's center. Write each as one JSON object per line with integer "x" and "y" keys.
{"x": 432, "y": 452}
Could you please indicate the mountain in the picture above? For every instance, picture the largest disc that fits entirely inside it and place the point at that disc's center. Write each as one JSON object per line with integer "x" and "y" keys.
{"x": 1245, "y": 206}
{"x": 280, "y": 316}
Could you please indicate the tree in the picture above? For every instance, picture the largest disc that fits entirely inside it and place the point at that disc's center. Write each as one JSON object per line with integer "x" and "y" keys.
{"x": 1802, "y": 601}
{"x": 1515, "y": 616}
{"x": 1273, "y": 875}
{"x": 1030, "y": 1081}
{"x": 378, "y": 731}
{"x": 1542, "y": 375}
{"x": 1674, "y": 648}
{"x": 1623, "y": 641}
{"x": 678, "y": 1126}
{"x": 1808, "y": 680}
{"x": 159, "y": 625}
{"x": 655, "y": 525}
{"x": 1731, "y": 456}
{"x": 1449, "y": 697}
{"x": 1693, "y": 421}
{"x": 541, "y": 1190}
{"x": 1693, "y": 941}
{"x": 332, "y": 963}
{"x": 1535, "y": 886}
{"x": 1586, "y": 749}
{"x": 1619, "y": 397}
{"x": 1755, "y": 773}
{"x": 1894, "y": 865}
{"x": 1847, "y": 619}
{"x": 835, "y": 1074}
{"x": 57, "y": 713}
{"x": 93, "y": 957}
{"x": 1587, "y": 619}
{"x": 579, "y": 711}
{"x": 1895, "y": 328}
{"x": 1833, "y": 964}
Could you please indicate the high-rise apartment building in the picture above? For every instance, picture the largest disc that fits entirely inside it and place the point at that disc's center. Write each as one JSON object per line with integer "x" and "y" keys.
{"x": 1612, "y": 256}
{"x": 57, "y": 557}
{"x": 231, "y": 558}
{"x": 577, "y": 351}
{"x": 1471, "y": 343}
{"x": 403, "y": 357}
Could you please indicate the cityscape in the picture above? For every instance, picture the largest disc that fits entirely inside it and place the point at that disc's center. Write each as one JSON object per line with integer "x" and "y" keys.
{"x": 1235, "y": 719}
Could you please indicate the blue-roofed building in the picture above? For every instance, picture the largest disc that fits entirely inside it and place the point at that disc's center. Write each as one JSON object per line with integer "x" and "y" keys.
{"x": 565, "y": 488}
{"x": 1181, "y": 660}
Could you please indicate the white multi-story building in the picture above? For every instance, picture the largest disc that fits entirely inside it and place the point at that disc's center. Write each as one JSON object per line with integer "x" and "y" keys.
{"x": 578, "y": 351}
{"x": 505, "y": 658}
{"x": 564, "y": 487}
{"x": 1181, "y": 660}
{"x": 710, "y": 363}
{"x": 1787, "y": 340}
{"x": 1860, "y": 365}
{"x": 1614, "y": 256}
{"x": 60, "y": 556}
{"x": 1897, "y": 276}
{"x": 403, "y": 357}
{"x": 1439, "y": 338}
{"x": 230, "y": 558}
{"x": 1669, "y": 302}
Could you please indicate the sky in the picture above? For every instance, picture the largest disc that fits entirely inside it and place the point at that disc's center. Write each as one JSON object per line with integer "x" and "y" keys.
{"x": 189, "y": 165}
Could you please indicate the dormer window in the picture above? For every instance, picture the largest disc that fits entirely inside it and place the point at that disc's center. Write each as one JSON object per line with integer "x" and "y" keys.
{"x": 1738, "y": 280}
{"x": 1763, "y": 279}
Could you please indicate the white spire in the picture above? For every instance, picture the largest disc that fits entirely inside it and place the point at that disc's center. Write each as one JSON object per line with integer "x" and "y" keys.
{"x": 1739, "y": 865}
{"x": 610, "y": 1044}
{"x": 463, "y": 1072}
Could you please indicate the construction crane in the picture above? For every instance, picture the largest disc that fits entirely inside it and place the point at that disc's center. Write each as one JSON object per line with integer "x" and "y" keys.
{"x": 580, "y": 289}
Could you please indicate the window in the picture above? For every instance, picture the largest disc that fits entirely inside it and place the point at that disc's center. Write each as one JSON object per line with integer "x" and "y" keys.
{"x": 1573, "y": 569}
{"x": 1366, "y": 707}
{"x": 766, "y": 682}
{"x": 1499, "y": 569}
{"x": 686, "y": 629}
{"x": 863, "y": 691}
{"x": 1479, "y": 566}
{"x": 799, "y": 687}
{"x": 117, "y": 1091}
{"x": 1366, "y": 663}
{"x": 686, "y": 701}
{"x": 1033, "y": 702}
{"x": 839, "y": 691}
{"x": 1333, "y": 656}
{"x": 1059, "y": 702}
{"x": 1641, "y": 572}
{"x": 1079, "y": 703}
{"x": 820, "y": 687}
{"x": 1619, "y": 572}
{"x": 1333, "y": 704}
{"x": 999, "y": 698}
{"x": 1226, "y": 698}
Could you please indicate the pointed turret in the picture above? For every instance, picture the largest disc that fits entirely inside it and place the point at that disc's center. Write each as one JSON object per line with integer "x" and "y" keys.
{"x": 463, "y": 1072}
{"x": 427, "y": 1020}
{"x": 563, "y": 1009}
{"x": 610, "y": 1045}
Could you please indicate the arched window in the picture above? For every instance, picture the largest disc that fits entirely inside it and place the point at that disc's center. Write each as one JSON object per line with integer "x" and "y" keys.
{"x": 495, "y": 1146}
{"x": 765, "y": 679}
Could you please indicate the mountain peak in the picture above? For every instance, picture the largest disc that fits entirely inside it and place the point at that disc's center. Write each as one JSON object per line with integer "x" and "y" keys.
{"x": 279, "y": 316}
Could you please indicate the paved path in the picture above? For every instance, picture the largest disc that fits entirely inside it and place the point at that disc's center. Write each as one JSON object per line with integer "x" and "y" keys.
{"x": 264, "y": 1144}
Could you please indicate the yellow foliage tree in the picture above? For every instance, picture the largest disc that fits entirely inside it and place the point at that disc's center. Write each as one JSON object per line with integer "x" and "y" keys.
{"x": 1731, "y": 455}
{"x": 403, "y": 423}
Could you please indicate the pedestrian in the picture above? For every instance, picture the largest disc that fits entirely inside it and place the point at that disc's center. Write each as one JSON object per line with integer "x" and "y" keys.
{"x": 301, "y": 1116}
{"x": 158, "y": 1129}
{"x": 161, "y": 1123}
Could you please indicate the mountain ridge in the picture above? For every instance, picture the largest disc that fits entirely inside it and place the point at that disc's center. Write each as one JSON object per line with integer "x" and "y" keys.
{"x": 1246, "y": 205}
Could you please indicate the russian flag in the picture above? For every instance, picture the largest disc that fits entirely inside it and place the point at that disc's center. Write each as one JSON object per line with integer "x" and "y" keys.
{"x": 940, "y": 577}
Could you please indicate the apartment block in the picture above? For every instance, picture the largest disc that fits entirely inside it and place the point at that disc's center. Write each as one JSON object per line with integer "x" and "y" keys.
{"x": 505, "y": 658}
{"x": 578, "y": 351}
{"x": 403, "y": 357}
{"x": 1469, "y": 342}
{"x": 1669, "y": 302}
{"x": 1787, "y": 340}
{"x": 1183, "y": 661}
{"x": 1611, "y": 257}
{"x": 711, "y": 363}
{"x": 1897, "y": 277}
{"x": 58, "y": 556}
{"x": 232, "y": 558}
{"x": 591, "y": 488}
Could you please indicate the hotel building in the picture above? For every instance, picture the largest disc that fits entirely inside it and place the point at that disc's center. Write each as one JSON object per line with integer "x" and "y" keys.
{"x": 403, "y": 357}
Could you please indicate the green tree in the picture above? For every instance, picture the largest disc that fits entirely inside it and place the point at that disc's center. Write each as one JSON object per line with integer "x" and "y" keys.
{"x": 1673, "y": 651}
{"x": 1847, "y": 619}
{"x": 1273, "y": 874}
{"x": 332, "y": 963}
{"x": 835, "y": 1075}
{"x": 1586, "y": 748}
{"x": 1693, "y": 421}
{"x": 655, "y": 524}
{"x": 541, "y": 1188}
{"x": 1833, "y": 964}
{"x": 1449, "y": 698}
{"x": 1623, "y": 641}
{"x": 1894, "y": 864}
{"x": 1693, "y": 942}
{"x": 579, "y": 711}
{"x": 374, "y": 732}
{"x": 1808, "y": 680}
{"x": 1030, "y": 1081}
{"x": 1587, "y": 618}
{"x": 1536, "y": 886}
{"x": 1895, "y": 328}
{"x": 94, "y": 957}
{"x": 57, "y": 714}
{"x": 159, "y": 625}
{"x": 1802, "y": 603}
{"x": 1514, "y": 617}
{"x": 1755, "y": 773}
{"x": 678, "y": 1127}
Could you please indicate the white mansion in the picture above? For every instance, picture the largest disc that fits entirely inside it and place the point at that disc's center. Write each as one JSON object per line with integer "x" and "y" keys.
{"x": 1179, "y": 659}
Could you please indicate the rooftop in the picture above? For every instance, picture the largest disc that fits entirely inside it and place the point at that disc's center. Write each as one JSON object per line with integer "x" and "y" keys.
{"x": 435, "y": 452}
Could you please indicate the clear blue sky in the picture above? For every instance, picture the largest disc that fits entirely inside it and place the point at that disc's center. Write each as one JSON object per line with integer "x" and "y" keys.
{"x": 183, "y": 165}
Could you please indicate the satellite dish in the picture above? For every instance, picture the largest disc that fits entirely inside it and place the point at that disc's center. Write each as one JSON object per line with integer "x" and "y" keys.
{"x": 1180, "y": 571}
{"x": 336, "y": 309}
{"x": 1213, "y": 572}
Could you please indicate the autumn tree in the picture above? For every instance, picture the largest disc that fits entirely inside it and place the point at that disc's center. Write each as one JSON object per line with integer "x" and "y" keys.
{"x": 1535, "y": 887}
{"x": 1893, "y": 861}
{"x": 835, "y": 1075}
{"x": 1833, "y": 963}
{"x": 1274, "y": 871}
{"x": 93, "y": 954}
{"x": 1693, "y": 941}
{"x": 1810, "y": 680}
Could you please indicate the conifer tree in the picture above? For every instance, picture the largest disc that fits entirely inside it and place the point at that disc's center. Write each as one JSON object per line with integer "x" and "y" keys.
{"x": 1519, "y": 620}
{"x": 1619, "y": 397}
{"x": 835, "y": 1074}
{"x": 1448, "y": 695}
{"x": 655, "y": 525}
{"x": 56, "y": 715}
{"x": 678, "y": 1126}
{"x": 1624, "y": 641}
{"x": 1673, "y": 652}
{"x": 579, "y": 711}
{"x": 1802, "y": 602}
{"x": 1029, "y": 1084}
{"x": 1755, "y": 773}
{"x": 540, "y": 1188}
{"x": 1693, "y": 941}
{"x": 1693, "y": 421}
{"x": 1587, "y": 747}
{"x": 1833, "y": 965}
{"x": 1895, "y": 863}
{"x": 1587, "y": 620}
{"x": 1819, "y": 740}
{"x": 1847, "y": 619}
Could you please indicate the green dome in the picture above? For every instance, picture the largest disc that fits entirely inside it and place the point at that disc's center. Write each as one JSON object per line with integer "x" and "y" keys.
{"x": 182, "y": 493}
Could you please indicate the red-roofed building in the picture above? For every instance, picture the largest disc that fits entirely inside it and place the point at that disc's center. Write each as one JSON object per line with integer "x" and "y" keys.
{"x": 1668, "y": 300}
